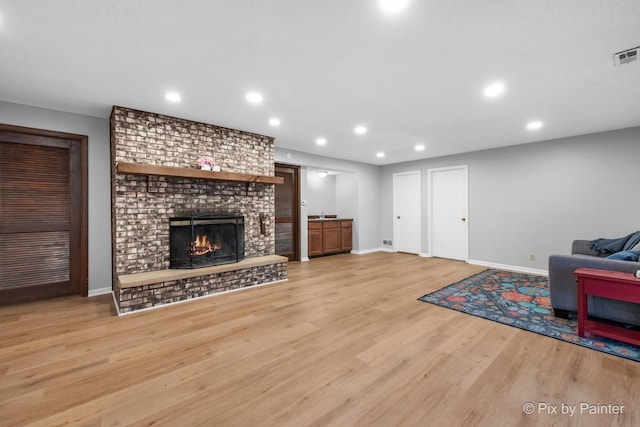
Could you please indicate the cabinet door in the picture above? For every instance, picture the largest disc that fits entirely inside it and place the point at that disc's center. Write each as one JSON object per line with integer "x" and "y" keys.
{"x": 346, "y": 234}
{"x": 331, "y": 237}
{"x": 315, "y": 239}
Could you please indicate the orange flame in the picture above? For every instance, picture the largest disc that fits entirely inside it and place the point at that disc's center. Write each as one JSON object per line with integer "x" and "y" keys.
{"x": 202, "y": 246}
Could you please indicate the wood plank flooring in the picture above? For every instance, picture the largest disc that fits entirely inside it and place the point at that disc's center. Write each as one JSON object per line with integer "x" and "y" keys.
{"x": 343, "y": 343}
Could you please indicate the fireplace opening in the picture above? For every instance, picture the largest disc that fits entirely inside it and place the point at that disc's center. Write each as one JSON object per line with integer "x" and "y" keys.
{"x": 203, "y": 240}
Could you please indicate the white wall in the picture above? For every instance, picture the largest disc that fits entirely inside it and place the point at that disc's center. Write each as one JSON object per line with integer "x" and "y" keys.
{"x": 537, "y": 198}
{"x": 97, "y": 130}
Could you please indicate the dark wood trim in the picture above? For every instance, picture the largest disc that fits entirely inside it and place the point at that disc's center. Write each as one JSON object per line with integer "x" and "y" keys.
{"x": 52, "y": 290}
{"x": 80, "y": 167}
{"x": 79, "y": 143}
{"x": 25, "y": 135}
{"x": 296, "y": 200}
{"x": 175, "y": 172}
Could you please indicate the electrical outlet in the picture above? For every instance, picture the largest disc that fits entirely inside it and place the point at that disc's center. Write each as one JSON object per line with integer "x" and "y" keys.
{"x": 390, "y": 242}
{"x": 532, "y": 257}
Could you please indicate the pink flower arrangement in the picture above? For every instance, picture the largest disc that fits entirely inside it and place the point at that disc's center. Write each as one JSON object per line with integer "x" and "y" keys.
{"x": 206, "y": 160}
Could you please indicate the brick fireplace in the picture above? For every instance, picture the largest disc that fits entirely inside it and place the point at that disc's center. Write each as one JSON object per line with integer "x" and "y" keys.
{"x": 143, "y": 205}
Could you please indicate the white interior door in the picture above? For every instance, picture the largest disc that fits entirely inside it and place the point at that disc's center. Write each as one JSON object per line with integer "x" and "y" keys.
{"x": 406, "y": 212}
{"x": 448, "y": 206}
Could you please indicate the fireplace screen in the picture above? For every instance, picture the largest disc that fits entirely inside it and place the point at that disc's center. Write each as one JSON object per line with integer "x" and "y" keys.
{"x": 206, "y": 239}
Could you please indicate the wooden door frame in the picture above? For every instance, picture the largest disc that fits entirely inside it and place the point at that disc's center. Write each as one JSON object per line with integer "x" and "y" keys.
{"x": 296, "y": 200}
{"x": 81, "y": 273}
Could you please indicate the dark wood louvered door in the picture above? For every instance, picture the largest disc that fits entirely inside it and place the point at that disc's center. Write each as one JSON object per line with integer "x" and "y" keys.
{"x": 43, "y": 211}
{"x": 288, "y": 212}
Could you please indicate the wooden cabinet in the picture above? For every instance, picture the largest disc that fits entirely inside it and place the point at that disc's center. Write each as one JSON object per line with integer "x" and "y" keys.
{"x": 346, "y": 235}
{"x": 315, "y": 239}
{"x": 330, "y": 236}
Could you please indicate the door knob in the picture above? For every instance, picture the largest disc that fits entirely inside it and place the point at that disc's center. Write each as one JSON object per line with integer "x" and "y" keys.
{"x": 397, "y": 217}
{"x": 463, "y": 219}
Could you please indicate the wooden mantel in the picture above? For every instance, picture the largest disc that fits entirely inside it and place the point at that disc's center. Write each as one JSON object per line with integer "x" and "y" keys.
{"x": 176, "y": 172}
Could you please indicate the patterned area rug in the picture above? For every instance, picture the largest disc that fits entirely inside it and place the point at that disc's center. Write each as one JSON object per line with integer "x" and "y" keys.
{"x": 520, "y": 300}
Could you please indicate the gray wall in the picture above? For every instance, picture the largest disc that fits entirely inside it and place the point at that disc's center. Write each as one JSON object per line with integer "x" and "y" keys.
{"x": 528, "y": 198}
{"x": 347, "y": 192}
{"x": 99, "y": 181}
{"x": 537, "y": 198}
{"x": 356, "y": 194}
{"x": 321, "y": 196}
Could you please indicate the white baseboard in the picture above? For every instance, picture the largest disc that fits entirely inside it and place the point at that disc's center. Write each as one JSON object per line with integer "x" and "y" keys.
{"x": 509, "y": 267}
{"x": 304, "y": 259}
{"x": 99, "y": 291}
{"x": 425, "y": 255}
{"x": 367, "y": 251}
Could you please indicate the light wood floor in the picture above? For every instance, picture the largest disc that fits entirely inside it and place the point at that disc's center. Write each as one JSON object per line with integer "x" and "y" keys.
{"x": 343, "y": 343}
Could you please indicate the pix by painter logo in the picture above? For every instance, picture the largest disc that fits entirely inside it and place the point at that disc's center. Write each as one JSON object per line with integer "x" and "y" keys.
{"x": 563, "y": 408}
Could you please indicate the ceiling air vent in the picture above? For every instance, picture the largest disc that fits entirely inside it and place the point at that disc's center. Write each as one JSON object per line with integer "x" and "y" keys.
{"x": 626, "y": 56}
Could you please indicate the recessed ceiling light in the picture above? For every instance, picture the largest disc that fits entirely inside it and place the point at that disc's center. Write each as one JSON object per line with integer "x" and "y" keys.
{"x": 274, "y": 121}
{"x": 380, "y": 155}
{"x": 393, "y": 6}
{"x": 360, "y": 130}
{"x": 321, "y": 141}
{"x": 322, "y": 174}
{"x": 494, "y": 89}
{"x": 533, "y": 125}
{"x": 173, "y": 97}
{"x": 254, "y": 97}
{"x": 419, "y": 147}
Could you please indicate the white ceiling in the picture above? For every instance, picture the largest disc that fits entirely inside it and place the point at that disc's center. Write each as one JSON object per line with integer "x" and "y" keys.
{"x": 325, "y": 66}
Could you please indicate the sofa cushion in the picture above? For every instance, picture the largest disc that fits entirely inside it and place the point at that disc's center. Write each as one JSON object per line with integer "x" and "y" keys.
{"x": 625, "y": 255}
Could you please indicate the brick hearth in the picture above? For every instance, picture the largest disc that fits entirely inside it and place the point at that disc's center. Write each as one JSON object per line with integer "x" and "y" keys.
{"x": 142, "y": 205}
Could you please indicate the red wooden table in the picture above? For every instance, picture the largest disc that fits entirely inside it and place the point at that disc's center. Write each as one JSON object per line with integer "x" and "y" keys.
{"x": 607, "y": 284}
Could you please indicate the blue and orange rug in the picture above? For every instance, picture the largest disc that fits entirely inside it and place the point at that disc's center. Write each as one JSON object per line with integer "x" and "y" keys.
{"x": 520, "y": 300}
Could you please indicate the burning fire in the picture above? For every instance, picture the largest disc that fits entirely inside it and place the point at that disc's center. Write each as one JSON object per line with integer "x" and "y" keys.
{"x": 202, "y": 246}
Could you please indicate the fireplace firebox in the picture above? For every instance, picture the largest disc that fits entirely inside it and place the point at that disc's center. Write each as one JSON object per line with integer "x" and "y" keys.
{"x": 203, "y": 240}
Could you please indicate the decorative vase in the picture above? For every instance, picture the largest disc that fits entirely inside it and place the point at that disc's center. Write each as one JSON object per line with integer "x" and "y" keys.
{"x": 206, "y": 167}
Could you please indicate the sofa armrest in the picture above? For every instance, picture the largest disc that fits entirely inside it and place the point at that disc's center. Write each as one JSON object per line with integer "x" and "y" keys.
{"x": 582, "y": 247}
{"x": 562, "y": 280}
